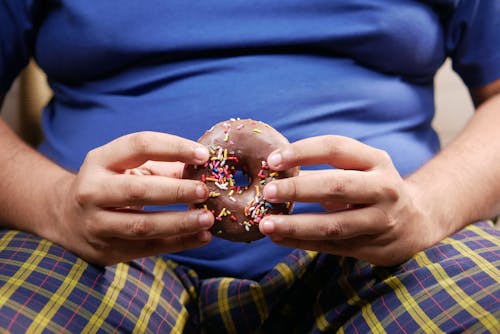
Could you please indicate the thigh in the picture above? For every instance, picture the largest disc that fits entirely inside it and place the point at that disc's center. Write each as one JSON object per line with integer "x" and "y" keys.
{"x": 451, "y": 287}
{"x": 45, "y": 288}
{"x": 280, "y": 302}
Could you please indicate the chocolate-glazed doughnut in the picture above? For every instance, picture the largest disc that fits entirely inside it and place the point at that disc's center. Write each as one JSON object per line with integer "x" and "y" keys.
{"x": 236, "y": 173}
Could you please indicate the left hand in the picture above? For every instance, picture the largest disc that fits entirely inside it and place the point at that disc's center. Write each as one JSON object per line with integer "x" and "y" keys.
{"x": 372, "y": 212}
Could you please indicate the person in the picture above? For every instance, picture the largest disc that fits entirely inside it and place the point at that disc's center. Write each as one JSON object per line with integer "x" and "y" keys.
{"x": 390, "y": 233}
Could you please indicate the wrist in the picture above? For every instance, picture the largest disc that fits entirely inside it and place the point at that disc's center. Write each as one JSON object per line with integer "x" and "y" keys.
{"x": 432, "y": 211}
{"x": 30, "y": 186}
{"x": 53, "y": 207}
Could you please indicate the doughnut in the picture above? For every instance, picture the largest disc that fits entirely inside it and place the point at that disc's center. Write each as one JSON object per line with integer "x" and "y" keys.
{"x": 236, "y": 173}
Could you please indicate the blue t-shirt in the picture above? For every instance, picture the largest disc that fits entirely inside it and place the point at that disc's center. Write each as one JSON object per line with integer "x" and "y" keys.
{"x": 359, "y": 68}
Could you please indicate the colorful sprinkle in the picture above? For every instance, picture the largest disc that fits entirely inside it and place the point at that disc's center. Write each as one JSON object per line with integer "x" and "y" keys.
{"x": 220, "y": 176}
{"x": 247, "y": 225}
{"x": 222, "y": 212}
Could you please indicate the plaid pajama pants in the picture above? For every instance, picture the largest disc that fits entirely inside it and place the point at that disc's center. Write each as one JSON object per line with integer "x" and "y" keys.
{"x": 452, "y": 287}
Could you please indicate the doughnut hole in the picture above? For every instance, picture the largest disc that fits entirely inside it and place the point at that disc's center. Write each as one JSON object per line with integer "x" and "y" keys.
{"x": 236, "y": 174}
{"x": 242, "y": 179}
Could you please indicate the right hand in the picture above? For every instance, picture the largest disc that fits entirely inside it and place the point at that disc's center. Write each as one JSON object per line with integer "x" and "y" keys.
{"x": 96, "y": 213}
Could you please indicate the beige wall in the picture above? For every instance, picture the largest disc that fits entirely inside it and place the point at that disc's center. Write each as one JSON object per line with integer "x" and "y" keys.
{"x": 10, "y": 105}
{"x": 24, "y": 114}
{"x": 453, "y": 104}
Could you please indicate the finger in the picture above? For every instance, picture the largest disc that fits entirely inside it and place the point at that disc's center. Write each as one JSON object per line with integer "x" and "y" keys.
{"x": 333, "y": 206}
{"x": 359, "y": 248}
{"x": 137, "y": 171}
{"x": 304, "y": 172}
{"x": 135, "y": 149}
{"x": 120, "y": 250}
{"x": 328, "y": 205}
{"x": 149, "y": 225}
{"x": 134, "y": 190}
{"x": 167, "y": 169}
{"x": 161, "y": 168}
{"x": 335, "y": 185}
{"x": 377, "y": 252}
{"x": 326, "y": 226}
{"x": 325, "y": 246}
{"x": 338, "y": 151}
{"x": 169, "y": 245}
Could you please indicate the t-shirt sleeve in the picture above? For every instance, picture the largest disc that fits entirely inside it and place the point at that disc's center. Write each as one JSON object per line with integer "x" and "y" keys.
{"x": 16, "y": 39}
{"x": 473, "y": 40}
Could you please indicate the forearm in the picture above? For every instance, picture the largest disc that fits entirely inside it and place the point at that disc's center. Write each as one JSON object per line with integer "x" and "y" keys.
{"x": 28, "y": 184}
{"x": 462, "y": 183}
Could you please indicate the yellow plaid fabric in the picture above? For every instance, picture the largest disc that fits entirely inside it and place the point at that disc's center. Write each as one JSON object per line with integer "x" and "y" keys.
{"x": 452, "y": 287}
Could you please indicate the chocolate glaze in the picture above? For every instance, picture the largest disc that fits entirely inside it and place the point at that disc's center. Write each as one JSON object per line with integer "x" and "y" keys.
{"x": 239, "y": 145}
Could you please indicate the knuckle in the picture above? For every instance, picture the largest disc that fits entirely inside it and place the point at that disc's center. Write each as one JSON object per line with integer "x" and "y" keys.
{"x": 180, "y": 192}
{"x": 184, "y": 224}
{"x": 291, "y": 230}
{"x": 332, "y": 230}
{"x": 390, "y": 193}
{"x": 330, "y": 142}
{"x": 337, "y": 146}
{"x": 99, "y": 245}
{"x": 291, "y": 188}
{"x": 337, "y": 186}
{"x": 83, "y": 195}
{"x": 141, "y": 141}
{"x": 92, "y": 154}
{"x": 390, "y": 222}
{"x": 383, "y": 157}
{"x": 140, "y": 226}
{"x": 93, "y": 225}
{"x": 385, "y": 219}
{"x": 135, "y": 192}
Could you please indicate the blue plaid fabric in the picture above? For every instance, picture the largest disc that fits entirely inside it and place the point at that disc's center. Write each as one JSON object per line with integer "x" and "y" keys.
{"x": 451, "y": 287}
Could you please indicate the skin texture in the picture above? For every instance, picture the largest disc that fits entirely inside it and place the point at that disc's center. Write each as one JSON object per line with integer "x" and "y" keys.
{"x": 94, "y": 213}
{"x": 374, "y": 214}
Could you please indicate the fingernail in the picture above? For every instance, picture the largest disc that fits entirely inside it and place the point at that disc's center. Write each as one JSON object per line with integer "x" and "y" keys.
{"x": 270, "y": 191}
{"x": 201, "y": 154}
{"x": 274, "y": 160}
{"x": 201, "y": 191}
{"x": 205, "y": 219}
{"x": 267, "y": 226}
